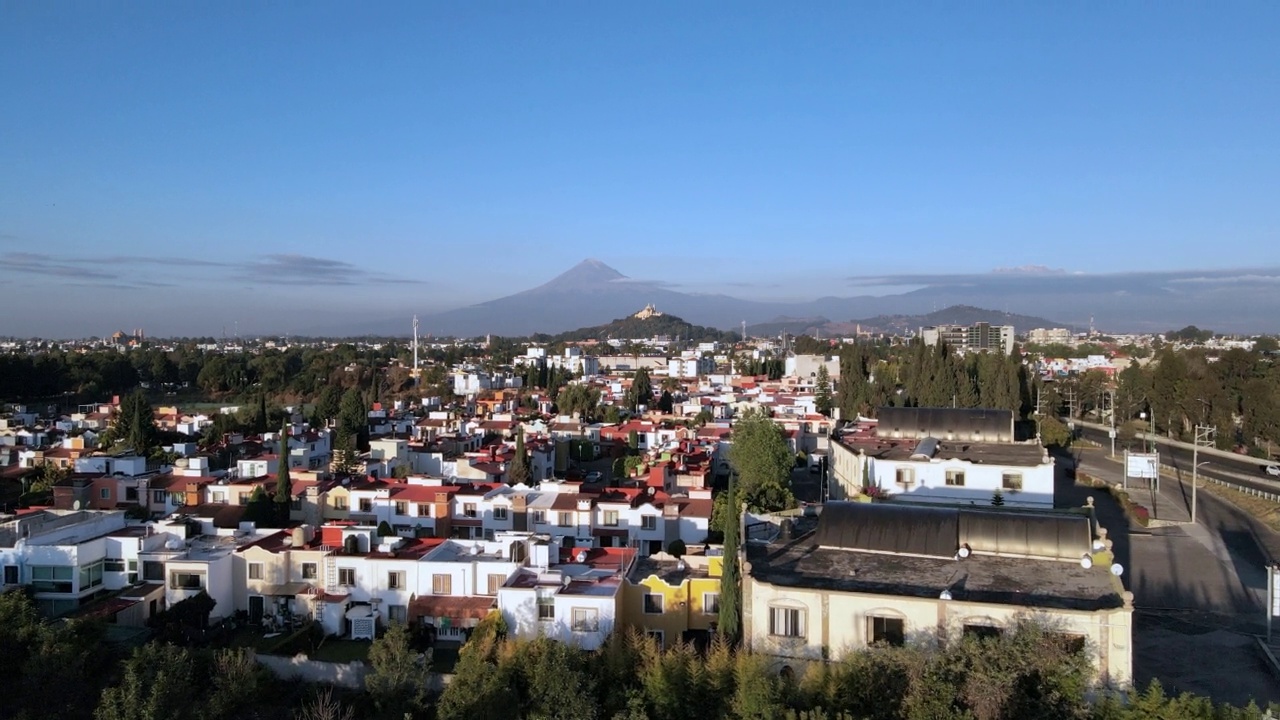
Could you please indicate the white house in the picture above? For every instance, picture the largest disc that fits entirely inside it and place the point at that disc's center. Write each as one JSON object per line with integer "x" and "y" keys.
{"x": 577, "y": 602}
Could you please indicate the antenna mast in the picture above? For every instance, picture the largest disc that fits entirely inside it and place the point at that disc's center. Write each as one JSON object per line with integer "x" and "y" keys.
{"x": 415, "y": 347}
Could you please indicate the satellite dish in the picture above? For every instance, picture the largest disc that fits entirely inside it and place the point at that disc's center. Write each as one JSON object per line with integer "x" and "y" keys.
{"x": 475, "y": 549}
{"x": 1099, "y": 546}
{"x": 1086, "y": 562}
{"x": 75, "y": 505}
{"x": 944, "y": 595}
{"x": 964, "y": 551}
{"x": 1117, "y": 569}
{"x": 581, "y": 556}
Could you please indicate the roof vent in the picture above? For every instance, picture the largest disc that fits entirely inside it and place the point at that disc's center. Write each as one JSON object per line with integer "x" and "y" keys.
{"x": 581, "y": 556}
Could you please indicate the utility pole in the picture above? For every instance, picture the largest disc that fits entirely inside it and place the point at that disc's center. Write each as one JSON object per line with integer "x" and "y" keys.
{"x": 1111, "y": 403}
{"x": 1204, "y": 434}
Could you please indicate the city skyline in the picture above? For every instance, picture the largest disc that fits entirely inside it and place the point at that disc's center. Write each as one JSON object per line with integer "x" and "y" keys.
{"x": 184, "y": 168}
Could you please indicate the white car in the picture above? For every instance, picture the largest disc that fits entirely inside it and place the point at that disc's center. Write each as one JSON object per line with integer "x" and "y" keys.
{"x": 1273, "y": 470}
{"x": 594, "y": 476}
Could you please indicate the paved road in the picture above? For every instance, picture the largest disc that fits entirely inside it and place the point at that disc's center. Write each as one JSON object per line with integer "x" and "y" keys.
{"x": 1244, "y": 471}
{"x": 1216, "y": 565}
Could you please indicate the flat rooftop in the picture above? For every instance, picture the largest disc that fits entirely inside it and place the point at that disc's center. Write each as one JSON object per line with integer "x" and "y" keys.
{"x": 671, "y": 572}
{"x": 978, "y": 453}
{"x": 1031, "y": 583}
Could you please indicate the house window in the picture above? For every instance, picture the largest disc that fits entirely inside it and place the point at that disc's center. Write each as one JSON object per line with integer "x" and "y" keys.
{"x": 90, "y": 576}
{"x": 366, "y": 505}
{"x": 495, "y": 581}
{"x": 649, "y": 522}
{"x": 153, "y": 571}
{"x": 586, "y": 620}
{"x": 610, "y": 518}
{"x": 982, "y": 632}
{"x": 112, "y": 565}
{"x": 242, "y": 498}
{"x": 1070, "y": 642}
{"x": 710, "y": 603}
{"x": 887, "y": 631}
{"x": 51, "y": 578}
{"x": 539, "y": 516}
{"x": 469, "y": 510}
{"x": 157, "y": 496}
{"x": 955, "y": 478}
{"x": 308, "y": 571}
{"x": 546, "y": 607}
{"x": 186, "y": 580}
{"x": 10, "y": 574}
{"x": 424, "y": 510}
{"x": 402, "y": 507}
{"x": 564, "y": 520}
{"x": 397, "y": 613}
{"x": 104, "y": 493}
{"x": 906, "y": 477}
{"x": 1011, "y": 481}
{"x": 499, "y": 513}
{"x": 255, "y": 571}
{"x": 347, "y": 576}
{"x": 786, "y": 622}
{"x": 653, "y": 604}
{"x": 442, "y": 584}
{"x": 339, "y": 503}
{"x": 395, "y": 580}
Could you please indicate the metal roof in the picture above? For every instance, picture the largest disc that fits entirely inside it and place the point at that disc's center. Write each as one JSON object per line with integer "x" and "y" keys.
{"x": 940, "y": 531}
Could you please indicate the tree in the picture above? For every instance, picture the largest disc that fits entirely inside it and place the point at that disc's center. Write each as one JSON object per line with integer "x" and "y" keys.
{"x": 676, "y": 548}
{"x": 641, "y": 390}
{"x": 385, "y": 529}
{"x": 518, "y": 472}
{"x": 997, "y": 498}
{"x": 633, "y": 441}
{"x": 260, "y": 510}
{"x": 157, "y": 683}
{"x": 666, "y": 403}
{"x": 763, "y": 461}
{"x": 1053, "y": 433}
{"x": 397, "y": 679}
{"x": 135, "y": 423}
{"x": 822, "y": 390}
{"x": 480, "y": 690}
{"x": 353, "y": 419}
{"x": 284, "y": 488}
{"x": 729, "y": 621}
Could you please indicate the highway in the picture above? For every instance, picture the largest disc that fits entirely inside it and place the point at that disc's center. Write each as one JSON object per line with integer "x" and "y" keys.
{"x": 1246, "y": 471}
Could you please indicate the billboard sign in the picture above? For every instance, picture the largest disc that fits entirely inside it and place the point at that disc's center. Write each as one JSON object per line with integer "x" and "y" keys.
{"x": 1143, "y": 465}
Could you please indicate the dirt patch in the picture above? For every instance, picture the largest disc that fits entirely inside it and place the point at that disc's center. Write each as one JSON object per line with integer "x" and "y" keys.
{"x": 1264, "y": 510}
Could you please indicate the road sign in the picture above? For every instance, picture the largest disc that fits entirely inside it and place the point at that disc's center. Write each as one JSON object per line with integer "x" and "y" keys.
{"x": 1111, "y": 434}
{"x": 1143, "y": 465}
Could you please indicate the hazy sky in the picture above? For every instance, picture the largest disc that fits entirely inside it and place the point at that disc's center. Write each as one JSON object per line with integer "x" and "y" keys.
{"x": 184, "y": 166}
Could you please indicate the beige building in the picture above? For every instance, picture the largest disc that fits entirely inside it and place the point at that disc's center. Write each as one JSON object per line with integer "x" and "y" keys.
{"x": 896, "y": 573}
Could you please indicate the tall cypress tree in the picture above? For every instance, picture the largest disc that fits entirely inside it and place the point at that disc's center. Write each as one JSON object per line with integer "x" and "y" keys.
{"x": 730, "y": 620}
{"x": 518, "y": 472}
{"x": 284, "y": 488}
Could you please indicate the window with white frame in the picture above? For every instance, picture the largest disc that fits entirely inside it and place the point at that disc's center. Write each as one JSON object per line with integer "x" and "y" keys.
{"x": 104, "y": 493}
{"x": 495, "y": 581}
{"x": 157, "y": 496}
{"x": 1011, "y": 481}
{"x": 424, "y": 510}
{"x": 955, "y": 478}
{"x": 499, "y": 513}
{"x": 469, "y": 510}
{"x": 710, "y": 603}
{"x": 564, "y": 520}
{"x": 308, "y": 571}
{"x": 366, "y": 505}
{"x": 653, "y": 603}
{"x": 586, "y": 620}
{"x": 395, "y": 580}
{"x": 402, "y": 507}
{"x": 397, "y": 613}
{"x": 886, "y": 631}
{"x": 179, "y": 580}
{"x": 255, "y": 571}
{"x": 546, "y": 606}
{"x": 347, "y": 576}
{"x": 539, "y": 516}
{"x": 610, "y": 518}
{"x": 786, "y": 622}
{"x": 905, "y": 477}
{"x": 649, "y": 522}
{"x": 340, "y": 503}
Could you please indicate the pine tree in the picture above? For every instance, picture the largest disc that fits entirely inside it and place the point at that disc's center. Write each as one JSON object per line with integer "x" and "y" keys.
{"x": 822, "y": 391}
{"x": 730, "y": 584}
{"x": 284, "y": 488}
{"x": 518, "y": 472}
{"x": 997, "y": 498}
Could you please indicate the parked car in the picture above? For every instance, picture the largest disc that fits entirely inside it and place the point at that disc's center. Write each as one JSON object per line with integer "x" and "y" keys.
{"x": 1273, "y": 470}
{"x": 594, "y": 476}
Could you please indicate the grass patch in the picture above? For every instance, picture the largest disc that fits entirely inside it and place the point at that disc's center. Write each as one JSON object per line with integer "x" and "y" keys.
{"x": 1134, "y": 512}
{"x": 342, "y": 651}
{"x": 1264, "y": 510}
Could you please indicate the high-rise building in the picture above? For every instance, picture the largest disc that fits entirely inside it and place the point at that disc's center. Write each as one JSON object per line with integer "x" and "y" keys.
{"x": 978, "y": 337}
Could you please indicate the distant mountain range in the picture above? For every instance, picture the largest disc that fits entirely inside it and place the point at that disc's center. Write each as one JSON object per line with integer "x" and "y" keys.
{"x": 591, "y": 293}
{"x": 901, "y": 324}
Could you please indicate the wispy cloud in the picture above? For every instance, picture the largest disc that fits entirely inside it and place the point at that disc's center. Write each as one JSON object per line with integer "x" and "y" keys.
{"x": 112, "y": 271}
{"x": 1038, "y": 276}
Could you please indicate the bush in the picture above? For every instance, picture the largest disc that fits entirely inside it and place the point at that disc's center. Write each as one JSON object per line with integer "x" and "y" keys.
{"x": 676, "y": 548}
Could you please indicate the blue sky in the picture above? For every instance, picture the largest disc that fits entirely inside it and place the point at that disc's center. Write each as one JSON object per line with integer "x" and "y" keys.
{"x": 278, "y": 161}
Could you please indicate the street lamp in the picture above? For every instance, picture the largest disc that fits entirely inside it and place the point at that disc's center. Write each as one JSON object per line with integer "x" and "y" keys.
{"x": 1195, "y": 474}
{"x": 1151, "y": 435}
